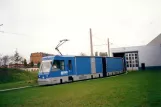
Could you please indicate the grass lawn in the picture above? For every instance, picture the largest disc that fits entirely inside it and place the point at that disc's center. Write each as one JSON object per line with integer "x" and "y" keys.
{"x": 135, "y": 89}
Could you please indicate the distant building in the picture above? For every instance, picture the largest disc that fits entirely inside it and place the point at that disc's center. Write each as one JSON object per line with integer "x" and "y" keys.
{"x": 16, "y": 66}
{"x": 141, "y": 57}
{"x": 36, "y": 57}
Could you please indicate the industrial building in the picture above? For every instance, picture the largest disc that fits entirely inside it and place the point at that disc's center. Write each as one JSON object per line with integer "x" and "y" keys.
{"x": 141, "y": 57}
{"x": 37, "y": 57}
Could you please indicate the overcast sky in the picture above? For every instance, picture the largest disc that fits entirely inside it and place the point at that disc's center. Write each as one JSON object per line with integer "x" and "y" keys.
{"x": 38, "y": 25}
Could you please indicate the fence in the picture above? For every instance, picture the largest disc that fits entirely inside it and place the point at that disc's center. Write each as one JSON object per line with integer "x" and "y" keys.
{"x": 30, "y": 69}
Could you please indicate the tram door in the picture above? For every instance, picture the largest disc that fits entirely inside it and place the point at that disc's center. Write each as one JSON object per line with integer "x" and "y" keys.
{"x": 70, "y": 70}
{"x": 104, "y": 66}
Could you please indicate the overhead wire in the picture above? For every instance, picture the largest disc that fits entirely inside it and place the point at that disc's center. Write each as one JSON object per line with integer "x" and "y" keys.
{"x": 99, "y": 40}
{"x": 13, "y": 33}
{"x": 100, "y": 45}
{"x": 111, "y": 43}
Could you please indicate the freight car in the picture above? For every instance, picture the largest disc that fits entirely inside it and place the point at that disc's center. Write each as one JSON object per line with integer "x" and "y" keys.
{"x": 62, "y": 69}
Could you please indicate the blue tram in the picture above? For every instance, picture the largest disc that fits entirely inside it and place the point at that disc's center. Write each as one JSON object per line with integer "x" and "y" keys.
{"x": 61, "y": 69}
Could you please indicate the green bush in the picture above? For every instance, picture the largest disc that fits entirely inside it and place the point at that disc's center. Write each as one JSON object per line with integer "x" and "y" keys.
{"x": 15, "y": 75}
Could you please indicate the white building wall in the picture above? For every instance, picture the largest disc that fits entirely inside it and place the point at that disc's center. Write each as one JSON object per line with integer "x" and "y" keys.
{"x": 150, "y": 55}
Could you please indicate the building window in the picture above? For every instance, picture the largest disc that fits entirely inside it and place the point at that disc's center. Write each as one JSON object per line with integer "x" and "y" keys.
{"x": 127, "y": 62}
{"x": 136, "y": 61}
{"x": 132, "y": 58}
{"x": 136, "y": 57}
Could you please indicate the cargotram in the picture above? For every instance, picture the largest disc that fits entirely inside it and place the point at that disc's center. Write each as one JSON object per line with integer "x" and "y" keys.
{"x": 61, "y": 69}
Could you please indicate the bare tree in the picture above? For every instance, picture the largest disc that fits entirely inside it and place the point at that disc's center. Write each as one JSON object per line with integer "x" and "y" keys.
{"x": 32, "y": 64}
{"x": 25, "y": 63}
{"x": 82, "y": 54}
{"x": 22, "y": 61}
{"x": 0, "y": 60}
{"x": 17, "y": 58}
{"x": 96, "y": 53}
{"x": 103, "y": 54}
{"x": 5, "y": 59}
{"x": 38, "y": 65}
{"x": 11, "y": 58}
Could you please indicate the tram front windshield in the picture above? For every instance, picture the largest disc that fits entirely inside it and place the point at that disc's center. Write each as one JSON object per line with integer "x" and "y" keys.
{"x": 45, "y": 66}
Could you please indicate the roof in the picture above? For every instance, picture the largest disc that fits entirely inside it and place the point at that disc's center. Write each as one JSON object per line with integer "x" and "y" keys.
{"x": 65, "y": 56}
{"x": 156, "y": 41}
{"x": 52, "y": 57}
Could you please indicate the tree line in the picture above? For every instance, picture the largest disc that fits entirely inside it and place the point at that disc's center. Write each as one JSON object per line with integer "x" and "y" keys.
{"x": 96, "y": 54}
{"x": 15, "y": 59}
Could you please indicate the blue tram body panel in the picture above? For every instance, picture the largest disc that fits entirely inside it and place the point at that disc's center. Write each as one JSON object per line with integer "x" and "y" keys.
{"x": 56, "y": 74}
{"x": 98, "y": 63}
{"x": 83, "y": 65}
{"x": 66, "y": 69}
{"x": 114, "y": 64}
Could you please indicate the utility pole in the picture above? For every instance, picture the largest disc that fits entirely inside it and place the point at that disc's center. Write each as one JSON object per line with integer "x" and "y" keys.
{"x": 108, "y": 47}
{"x": 91, "y": 43}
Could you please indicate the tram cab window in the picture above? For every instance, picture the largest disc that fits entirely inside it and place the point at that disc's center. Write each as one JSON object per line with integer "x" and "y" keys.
{"x": 58, "y": 65}
{"x": 45, "y": 66}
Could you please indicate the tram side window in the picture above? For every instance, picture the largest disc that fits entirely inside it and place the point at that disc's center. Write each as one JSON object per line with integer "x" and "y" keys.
{"x": 58, "y": 65}
{"x": 70, "y": 64}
